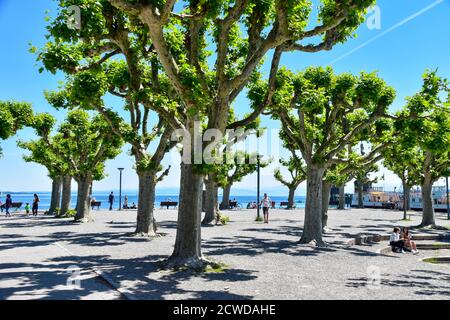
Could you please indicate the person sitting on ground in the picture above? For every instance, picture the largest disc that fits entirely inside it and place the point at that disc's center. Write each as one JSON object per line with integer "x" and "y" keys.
{"x": 133, "y": 206}
{"x": 27, "y": 209}
{"x": 125, "y": 203}
{"x": 407, "y": 238}
{"x": 395, "y": 242}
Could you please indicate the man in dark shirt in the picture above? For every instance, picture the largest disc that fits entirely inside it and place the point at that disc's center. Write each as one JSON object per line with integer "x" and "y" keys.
{"x": 111, "y": 201}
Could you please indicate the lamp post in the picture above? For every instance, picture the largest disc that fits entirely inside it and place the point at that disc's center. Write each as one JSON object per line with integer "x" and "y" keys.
{"x": 258, "y": 212}
{"x": 258, "y": 184}
{"x": 120, "y": 188}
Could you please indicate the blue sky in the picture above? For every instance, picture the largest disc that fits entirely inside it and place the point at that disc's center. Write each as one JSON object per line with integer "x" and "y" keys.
{"x": 414, "y": 35}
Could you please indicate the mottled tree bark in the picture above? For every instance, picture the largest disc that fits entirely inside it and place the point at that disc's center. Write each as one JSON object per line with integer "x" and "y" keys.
{"x": 84, "y": 199}
{"x": 405, "y": 200}
{"x": 187, "y": 251}
{"x": 312, "y": 230}
{"x": 291, "y": 197}
{"x": 341, "y": 205}
{"x": 211, "y": 200}
{"x": 360, "y": 195}
{"x": 427, "y": 203}
{"x": 226, "y": 197}
{"x": 66, "y": 194}
{"x": 326, "y": 188}
{"x": 407, "y": 194}
{"x": 146, "y": 225}
{"x": 55, "y": 201}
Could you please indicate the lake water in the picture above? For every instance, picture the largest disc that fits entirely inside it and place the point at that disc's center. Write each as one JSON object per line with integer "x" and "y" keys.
{"x": 132, "y": 197}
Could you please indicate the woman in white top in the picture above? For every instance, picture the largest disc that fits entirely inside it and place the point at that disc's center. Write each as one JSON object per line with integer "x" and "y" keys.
{"x": 266, "y": 203}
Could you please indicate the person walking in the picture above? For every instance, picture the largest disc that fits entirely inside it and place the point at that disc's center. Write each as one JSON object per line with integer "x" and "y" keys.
{"x": 8, "y": 205}
{"x": 35, "y": 207}
{"x": 266, "y": 204}
{"x": 111, "y": 201}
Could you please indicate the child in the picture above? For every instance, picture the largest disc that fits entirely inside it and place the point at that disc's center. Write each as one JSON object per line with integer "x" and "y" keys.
{"x": 27, "y": 209}
{"x": 395, "y": 242}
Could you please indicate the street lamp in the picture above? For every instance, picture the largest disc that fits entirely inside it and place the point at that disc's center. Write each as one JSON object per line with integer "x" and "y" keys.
{"x": 258, "y": 213}
{"x": 120, "y": 188}
{"x": 258, "y": 187}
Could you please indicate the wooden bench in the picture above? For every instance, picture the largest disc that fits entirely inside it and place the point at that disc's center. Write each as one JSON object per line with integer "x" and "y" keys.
{"x": 97, "y": 204}
{"x": 14, "y": 205}
{"x": 169, "y": 204}
{"x": 286, "y": 204}
{"x": 233, "y": 204}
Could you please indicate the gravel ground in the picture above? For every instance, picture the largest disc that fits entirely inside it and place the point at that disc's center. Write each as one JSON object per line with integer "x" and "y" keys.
{"x": 264, "y": 261}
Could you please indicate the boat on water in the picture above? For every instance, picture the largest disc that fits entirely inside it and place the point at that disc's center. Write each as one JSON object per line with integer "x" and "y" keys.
{"x": 376, "y": 197}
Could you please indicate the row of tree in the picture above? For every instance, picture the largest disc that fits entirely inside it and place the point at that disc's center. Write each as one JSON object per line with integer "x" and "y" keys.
{"x": 174, "y": 64}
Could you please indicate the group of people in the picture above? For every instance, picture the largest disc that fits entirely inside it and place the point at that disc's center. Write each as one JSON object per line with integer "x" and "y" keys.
{"x": 125, "y": 203}
{"x": 401, "y": 241}
{"x": 9, "y": 204}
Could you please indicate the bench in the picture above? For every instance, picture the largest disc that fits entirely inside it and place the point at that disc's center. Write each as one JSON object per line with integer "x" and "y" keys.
{"x": 169, "y": 204}
{"x": 285, "y": 204}
{"x": 97, "y": 204}
{"x": 233, "y": 204}
{"x": 14, "y": 205}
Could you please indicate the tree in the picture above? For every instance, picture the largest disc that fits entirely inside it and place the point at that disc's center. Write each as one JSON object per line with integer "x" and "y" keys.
{"x": 242, "y": 33}
{"x": 57, "y": 168}
{"x": 112, "y": 56}
{"x": 295, "y": 167}
{"x": 84, "y": 143}
{"x": 315, "y": 107}
{"x": 13, "y": 117}
{"x": 339, "y": 174}
{"x": 403, "y": 160}
{"x": 424, "y": 127}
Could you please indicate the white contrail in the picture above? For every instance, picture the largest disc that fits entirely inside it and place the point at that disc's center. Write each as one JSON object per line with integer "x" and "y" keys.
{"x": 399, "y": 24}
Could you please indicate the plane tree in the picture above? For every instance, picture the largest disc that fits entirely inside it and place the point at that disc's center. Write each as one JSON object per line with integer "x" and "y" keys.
{"x": 109, "y": 56}
{"x": 40, "y": 153}
{"x": 311, "y": 106}
{"x": 403, "y": 159}
{"x": 182, "y": 37}
{"x": 295, "y": 167}
{"x": 83, "y": 143}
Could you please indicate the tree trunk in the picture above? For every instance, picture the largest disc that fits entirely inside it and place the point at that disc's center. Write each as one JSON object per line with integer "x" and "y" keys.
{"x": 84, "y": 199}
{"x": 312, "y": 230}
{"x": 360, "y": 195}
{"x": 226, "y": 197}
{"x": 405, "y": 200}
{"x": 211, "y": 200}
{"x": 66, "y": 194}
{"x": 187, "y": 251}
{"x": 55, "y": 201}
{"x": 341, "y": 205}
{"x": 326, "y": 188}
{"x": 291, "y": 197}
{"x": 146, "y": 225}
{"x": 427, "y": 203}
{"x": 407, "y": 194}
